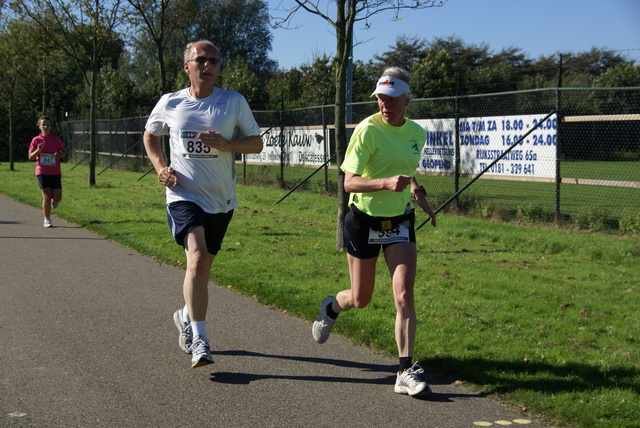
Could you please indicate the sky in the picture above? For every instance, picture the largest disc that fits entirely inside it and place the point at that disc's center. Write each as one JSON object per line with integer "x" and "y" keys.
{"x": 537, "y": 27}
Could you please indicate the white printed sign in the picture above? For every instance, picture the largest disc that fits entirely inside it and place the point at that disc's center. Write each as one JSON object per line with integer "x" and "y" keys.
{"x": 297, "y": 146}
{"x": 484, "y": 139}
{"x": 438, "y": 153}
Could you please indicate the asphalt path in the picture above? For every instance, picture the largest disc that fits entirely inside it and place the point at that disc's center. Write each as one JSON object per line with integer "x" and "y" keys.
{"x": 88, "y": 340}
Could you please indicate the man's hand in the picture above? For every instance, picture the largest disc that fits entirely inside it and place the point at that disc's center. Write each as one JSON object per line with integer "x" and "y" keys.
{"x": 167, "y": 177}
{"x": 215, "y": 140}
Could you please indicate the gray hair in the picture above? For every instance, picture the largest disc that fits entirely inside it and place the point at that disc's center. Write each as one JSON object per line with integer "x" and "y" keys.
{"x": 401, "y": 74}
{"x": 398, "y": 73}
{"x": 187, "y": 50}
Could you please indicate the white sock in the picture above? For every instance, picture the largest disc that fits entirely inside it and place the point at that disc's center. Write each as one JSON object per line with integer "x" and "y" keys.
{"x": 197, "y": 327}
{"x": 185, "y": 314}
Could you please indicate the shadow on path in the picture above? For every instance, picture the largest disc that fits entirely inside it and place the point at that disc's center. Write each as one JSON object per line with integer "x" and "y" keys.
{"x": 388, "y": 371}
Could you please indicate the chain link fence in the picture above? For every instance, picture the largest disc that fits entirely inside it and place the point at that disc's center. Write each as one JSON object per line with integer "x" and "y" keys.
{"x": 118, "y": 143}
{"x": 570, "y": 155}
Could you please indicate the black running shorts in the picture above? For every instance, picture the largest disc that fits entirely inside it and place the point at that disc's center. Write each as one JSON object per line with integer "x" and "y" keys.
{"x": 183, "y": 216}
{"x": 49, "y": 181}
{"x": 357, "y": 225}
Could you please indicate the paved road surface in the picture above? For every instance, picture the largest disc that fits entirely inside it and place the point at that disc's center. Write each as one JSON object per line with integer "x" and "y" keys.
{"x": 88, "y": 341}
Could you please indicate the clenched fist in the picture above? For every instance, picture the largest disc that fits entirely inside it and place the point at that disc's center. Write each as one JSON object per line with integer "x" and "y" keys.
{"x": 167, "y": 177}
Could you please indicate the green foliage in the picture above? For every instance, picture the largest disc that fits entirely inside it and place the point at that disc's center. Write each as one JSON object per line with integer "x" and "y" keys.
{"x": 630, "y": 223}
{"x": 594, "y": 218}
{"x": 435, "y": 75}
{"x": 49, "y": 88}
{"x": 531, "y": 213}
{"x": 116, "y": 93}
{"x": 408, "y": 52}
{"x": 618, "y": 76}
{"x": 240, "y": 28}
{"x": 284, "y": 89}
{"x": 364, "y": 75}
{"x": 311, "y": 84}
{"x": 131, "y": 80}
{"x": 238, "y": 77}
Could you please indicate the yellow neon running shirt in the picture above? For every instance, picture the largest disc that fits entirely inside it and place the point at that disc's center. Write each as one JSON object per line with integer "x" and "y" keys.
{"x": 379, "y": 150}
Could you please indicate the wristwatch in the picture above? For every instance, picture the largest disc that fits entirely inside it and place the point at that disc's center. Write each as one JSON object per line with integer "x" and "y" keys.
{"x": 419, "y": 189}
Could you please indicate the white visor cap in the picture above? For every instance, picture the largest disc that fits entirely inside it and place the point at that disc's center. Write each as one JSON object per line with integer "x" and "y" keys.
{"x": 391, "y": 86}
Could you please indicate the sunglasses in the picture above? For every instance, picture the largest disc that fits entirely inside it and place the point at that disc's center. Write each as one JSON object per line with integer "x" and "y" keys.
{"x": 204, "y": 59}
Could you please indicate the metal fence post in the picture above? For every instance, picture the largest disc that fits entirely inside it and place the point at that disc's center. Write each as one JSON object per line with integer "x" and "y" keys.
{"x": 558, "y": 140}
{"x": 281, "y": 140}
{"x": 457, "y": 156}
{"x": 326, "y": 149}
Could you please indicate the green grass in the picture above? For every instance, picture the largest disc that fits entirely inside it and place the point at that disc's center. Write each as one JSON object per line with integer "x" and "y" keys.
{"x": 544, "y": 319}
{"x": 504, "y": 199}
{"x": 618, "y": 171}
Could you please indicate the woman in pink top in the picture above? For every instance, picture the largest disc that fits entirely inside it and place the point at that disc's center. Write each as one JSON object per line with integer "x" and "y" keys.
{"x": 46, "y": 150}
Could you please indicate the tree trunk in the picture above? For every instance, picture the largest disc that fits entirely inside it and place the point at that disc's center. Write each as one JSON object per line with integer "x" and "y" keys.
{"x": 93, "y": 152}
{"x": 344, "y": 29}
{"x": 12, "y": 143}
{"x": 163, "y": 89}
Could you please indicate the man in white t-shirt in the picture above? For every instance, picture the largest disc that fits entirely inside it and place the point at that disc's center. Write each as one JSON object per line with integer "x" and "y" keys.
{"x": 206, "y": 127}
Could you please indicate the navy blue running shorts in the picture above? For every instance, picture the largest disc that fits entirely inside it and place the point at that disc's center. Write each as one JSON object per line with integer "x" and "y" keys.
{"x": 356, "y": 235}
{"x": 49, "y": 181}
{"x": 183, "y": 216}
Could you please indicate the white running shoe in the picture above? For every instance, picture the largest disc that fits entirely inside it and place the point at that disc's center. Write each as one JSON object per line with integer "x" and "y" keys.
{"x": 408, "y": 382}
{"x": 47, "y": 222}
{"x": 186, "y": 335}
{"x": 324, "y": 323}
{"x": 201, "y": 353}
{"x": 54, "y": 204}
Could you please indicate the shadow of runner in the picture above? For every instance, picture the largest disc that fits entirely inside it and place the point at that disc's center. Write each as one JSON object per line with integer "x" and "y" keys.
{"x": 383, "y": 368}
{"x": 238, "y": 378}
{"x": 247, "y": 378}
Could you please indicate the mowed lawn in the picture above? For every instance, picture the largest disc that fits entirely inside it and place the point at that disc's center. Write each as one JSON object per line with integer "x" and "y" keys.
{"x": 542, "y": 318}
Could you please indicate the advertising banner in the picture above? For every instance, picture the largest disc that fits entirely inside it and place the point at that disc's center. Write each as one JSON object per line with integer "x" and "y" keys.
{"x": 296, "y": 147}
{"x": 484, "y": 139}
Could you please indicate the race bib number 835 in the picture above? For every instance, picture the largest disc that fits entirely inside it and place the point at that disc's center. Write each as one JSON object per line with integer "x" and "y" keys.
{"x": 193, "y": 147}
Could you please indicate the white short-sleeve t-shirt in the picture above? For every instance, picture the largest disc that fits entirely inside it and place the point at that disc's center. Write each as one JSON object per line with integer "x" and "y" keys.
{"x": 205, "y": 176}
